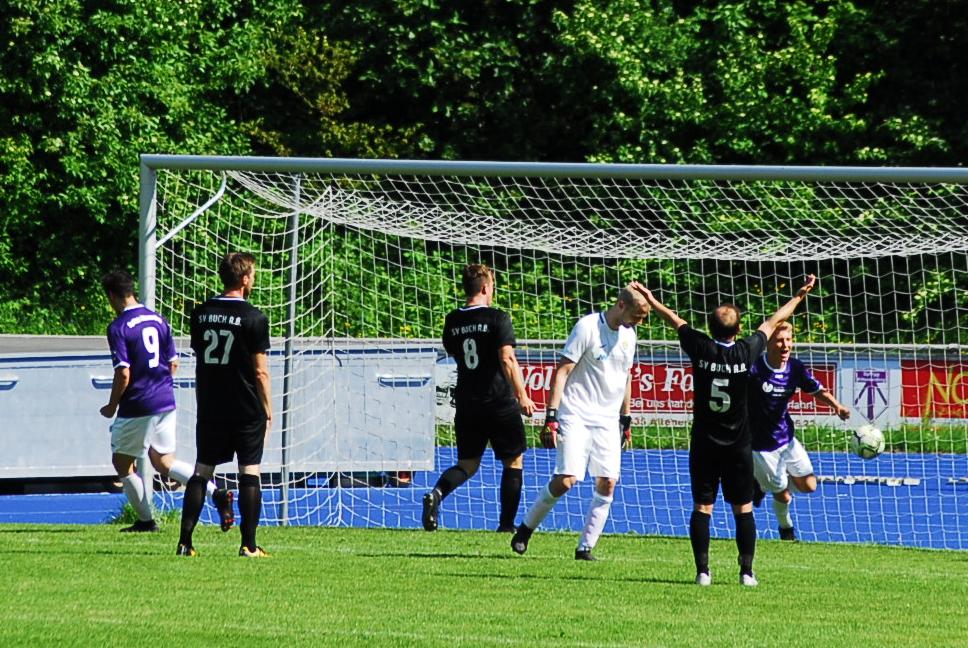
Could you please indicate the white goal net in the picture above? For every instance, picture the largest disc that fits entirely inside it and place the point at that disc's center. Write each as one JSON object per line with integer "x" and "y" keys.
{"x": 359, "y": 262}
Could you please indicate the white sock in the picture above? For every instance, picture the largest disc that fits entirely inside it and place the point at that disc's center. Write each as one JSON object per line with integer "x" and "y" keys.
{"x": 134, "y": 488}
{"x": 545, "y": 502}
{"x": 182, "y": 471}
{"x": 782, "y": 510}
{"x": 595, "y": 520}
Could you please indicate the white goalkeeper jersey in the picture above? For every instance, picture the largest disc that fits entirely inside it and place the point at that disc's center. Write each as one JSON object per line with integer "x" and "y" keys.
{"x": 603, "y": 358}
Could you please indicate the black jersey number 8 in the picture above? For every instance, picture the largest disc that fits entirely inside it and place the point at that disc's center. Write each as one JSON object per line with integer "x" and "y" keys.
{"x": 471, "y": 359}
{"x": 212, "y": 337}
{"x": 719, "y": 400}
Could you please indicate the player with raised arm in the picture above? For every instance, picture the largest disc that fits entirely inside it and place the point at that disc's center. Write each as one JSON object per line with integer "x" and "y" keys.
{"x": 588, "y": 418}
{"x": 720, "y": 445}
{"x": 143, "y": 396}
{"x": 776, "y": 375}
{"x": 490, "y": 397}
{"x": 230, "y": 338}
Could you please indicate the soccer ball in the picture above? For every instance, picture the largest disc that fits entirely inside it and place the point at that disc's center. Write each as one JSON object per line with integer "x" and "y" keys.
{"x": 867, "y": 441}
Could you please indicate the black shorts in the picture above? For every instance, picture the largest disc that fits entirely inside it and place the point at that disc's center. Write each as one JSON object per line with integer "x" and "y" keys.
{"x": 711, "y": 464}
{"x": 220, "y": 441}
{"x": 475, "y": 427}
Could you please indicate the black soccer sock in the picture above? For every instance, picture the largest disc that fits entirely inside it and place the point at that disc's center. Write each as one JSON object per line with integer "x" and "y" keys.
{"x": 699, "y": 537}
{"x": 250, "y": 508}
{"x": 191, "y": 508}
{"x": 511, "y": 480}
{"x": 451, "y": 479}
{"x": 745, "y": 540}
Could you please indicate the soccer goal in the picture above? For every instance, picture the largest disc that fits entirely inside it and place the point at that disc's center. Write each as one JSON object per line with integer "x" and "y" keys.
{"x": 359, "y": 261}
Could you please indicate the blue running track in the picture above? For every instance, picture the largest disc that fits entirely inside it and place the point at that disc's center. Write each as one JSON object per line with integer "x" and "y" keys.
{"x": 899, "y": 499}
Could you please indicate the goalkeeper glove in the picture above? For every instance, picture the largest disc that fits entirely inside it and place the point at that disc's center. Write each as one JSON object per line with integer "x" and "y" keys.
{"x": 625, "y": 427}
{"x": 549, "y": 433}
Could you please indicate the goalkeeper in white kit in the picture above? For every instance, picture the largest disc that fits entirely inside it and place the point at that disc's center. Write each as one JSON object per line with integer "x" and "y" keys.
{"x": 588, "y": 418}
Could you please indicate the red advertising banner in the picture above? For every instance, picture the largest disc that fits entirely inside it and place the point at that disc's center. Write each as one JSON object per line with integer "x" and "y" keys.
{"x": 668, "y": 389}
{"x": 934, "y": 389}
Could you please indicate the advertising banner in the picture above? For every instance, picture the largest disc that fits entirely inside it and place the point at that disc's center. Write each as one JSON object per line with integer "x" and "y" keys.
{"x": 936, "y": 390}
{"x": 662, "y": 392}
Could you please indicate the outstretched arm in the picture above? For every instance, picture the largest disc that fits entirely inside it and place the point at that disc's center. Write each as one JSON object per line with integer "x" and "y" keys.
{"x": 828, "y": 398}
{"x": 664, "y": 312}
{"x": 785, "y": 311}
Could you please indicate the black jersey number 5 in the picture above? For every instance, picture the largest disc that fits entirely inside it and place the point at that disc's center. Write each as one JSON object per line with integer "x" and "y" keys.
{"x": 719, "y": 400}
{"x": 213, "y": 337}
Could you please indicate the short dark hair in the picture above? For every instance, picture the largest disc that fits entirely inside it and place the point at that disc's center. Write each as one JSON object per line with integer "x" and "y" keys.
{"x": 118, "y": 283}
{"x": 233, "y": 267}
{"x": 724, "y": 321}
{"x": 474, "y": 277}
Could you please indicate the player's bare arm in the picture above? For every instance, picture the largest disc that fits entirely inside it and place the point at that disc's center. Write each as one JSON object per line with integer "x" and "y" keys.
{"x": 559, "y": 378}
{"x": 512, "y": 371}
{"x": 122, "y": 377}
{"x": 260, "y": 362}
{"x": 842, "y": 411}
{"x": 173, "y": 367}
{"x": 666, "y": 313}
{"x": 625, "y": 417}
{"x": 785, "y": 311}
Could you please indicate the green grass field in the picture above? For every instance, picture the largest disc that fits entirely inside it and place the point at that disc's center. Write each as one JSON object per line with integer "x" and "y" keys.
{"x": 88, "y": 585}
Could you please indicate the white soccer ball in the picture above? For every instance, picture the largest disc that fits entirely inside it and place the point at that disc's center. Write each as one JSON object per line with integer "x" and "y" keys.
{"x": 867, "y": 441}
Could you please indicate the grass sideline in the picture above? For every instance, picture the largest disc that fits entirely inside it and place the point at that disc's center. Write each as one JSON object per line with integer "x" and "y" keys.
{"x": 88, "y": 585}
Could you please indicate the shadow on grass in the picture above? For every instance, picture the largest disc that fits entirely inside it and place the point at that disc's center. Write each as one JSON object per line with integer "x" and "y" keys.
{"x": 574, "y": 577}
{"x": 43, "y": 530}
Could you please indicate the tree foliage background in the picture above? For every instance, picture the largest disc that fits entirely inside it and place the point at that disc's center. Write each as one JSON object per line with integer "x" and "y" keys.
{"x": 87, "y": 86}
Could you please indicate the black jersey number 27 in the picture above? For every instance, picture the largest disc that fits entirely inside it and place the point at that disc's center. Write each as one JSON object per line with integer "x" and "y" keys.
{"x": 215, "y": 339}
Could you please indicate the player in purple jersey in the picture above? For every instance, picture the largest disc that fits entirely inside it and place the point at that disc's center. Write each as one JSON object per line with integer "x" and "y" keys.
{"x": 719, "y": 445}
{"x": 144, "y": 358}
{"x": 777, "y": 453}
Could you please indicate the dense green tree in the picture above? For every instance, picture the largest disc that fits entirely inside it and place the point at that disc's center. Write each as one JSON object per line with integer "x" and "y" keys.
{"x": 87, "y": 86}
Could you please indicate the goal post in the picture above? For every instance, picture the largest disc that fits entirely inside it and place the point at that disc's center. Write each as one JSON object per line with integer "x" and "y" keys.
{"x": 359, "y": 261}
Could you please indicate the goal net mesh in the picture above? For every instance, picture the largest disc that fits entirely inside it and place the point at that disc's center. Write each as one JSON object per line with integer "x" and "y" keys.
{"x": 356, "y": 272}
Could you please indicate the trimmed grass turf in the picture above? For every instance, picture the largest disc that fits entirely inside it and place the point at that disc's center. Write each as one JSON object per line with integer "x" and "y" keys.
{"x": 88, "y": 585}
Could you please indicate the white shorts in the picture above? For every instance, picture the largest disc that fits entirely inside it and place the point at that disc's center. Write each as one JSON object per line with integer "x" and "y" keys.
{"x": 770, "y": 467}
{"x": 132, "y": 436}
{"x": 588, "y": 445}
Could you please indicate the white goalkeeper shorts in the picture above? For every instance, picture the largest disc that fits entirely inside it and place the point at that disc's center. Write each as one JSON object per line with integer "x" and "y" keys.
{"x": 132, "y": 436}
{"x": 588, "y": 445}
{"x": 771, "y": 467}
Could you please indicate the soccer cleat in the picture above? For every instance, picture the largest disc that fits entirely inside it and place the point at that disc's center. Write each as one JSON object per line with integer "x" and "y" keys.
{"x": 142, "y": 526}
{"x": 748, "y": 580}
{"x": 258, "y": 553}
{"x": 223, "y": 502}
{"x": 506, "y": 528}
{"x": 519, "y": 542}
{"x": 186, "y": 550}
{"x": 431, "y": 502}
{"x": 758, "y": 494}
{"x": 788, "y": 534}
{"x": 704, "y": 579}
{"x": 584, "y": 554}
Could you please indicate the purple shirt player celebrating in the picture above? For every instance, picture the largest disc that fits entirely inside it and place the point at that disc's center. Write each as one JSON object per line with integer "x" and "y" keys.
{"x": 774, "y": 378}
{"x": 142, "y": 393}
